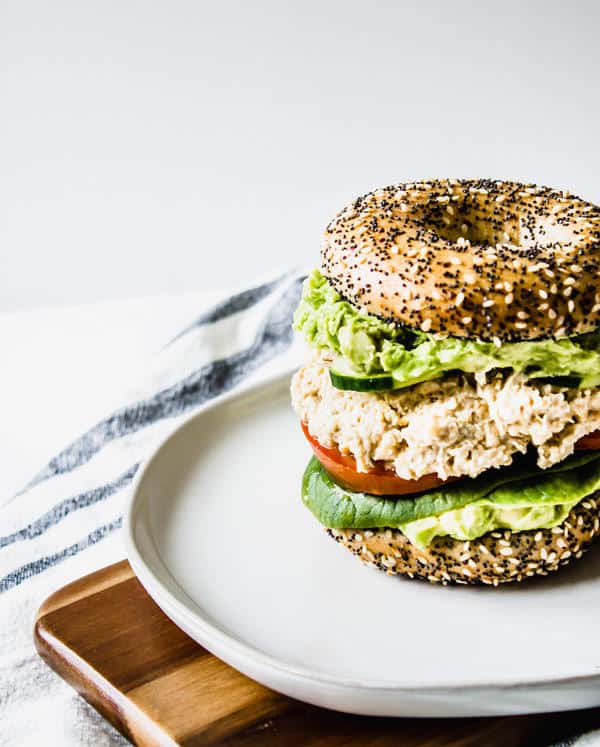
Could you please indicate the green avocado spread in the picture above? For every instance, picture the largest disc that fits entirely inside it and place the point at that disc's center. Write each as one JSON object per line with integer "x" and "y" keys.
{"x": 370, "y": 345}
{"x": 519, "y": 498}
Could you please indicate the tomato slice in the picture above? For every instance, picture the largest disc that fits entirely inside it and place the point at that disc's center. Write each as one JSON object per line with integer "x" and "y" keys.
{"x": 591, "y": 441}
{"x": 378, "y": 481}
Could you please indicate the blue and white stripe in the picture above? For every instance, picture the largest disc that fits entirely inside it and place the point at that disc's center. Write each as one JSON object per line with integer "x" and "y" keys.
{"x": 81, "y": 489}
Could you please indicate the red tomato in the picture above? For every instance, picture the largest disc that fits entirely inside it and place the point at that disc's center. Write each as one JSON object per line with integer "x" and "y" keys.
{"x": 378, "y": 481}
{"x": 591, "y": 441}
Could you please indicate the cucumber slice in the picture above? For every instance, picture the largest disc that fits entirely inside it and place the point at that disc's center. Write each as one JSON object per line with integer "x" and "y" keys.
{"x": 343, "y": 376}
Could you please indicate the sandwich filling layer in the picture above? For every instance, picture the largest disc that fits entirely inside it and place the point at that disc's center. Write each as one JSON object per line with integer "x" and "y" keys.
{"x": 454, "y": 427}
{"x": 502, "y": 419}
{"x": 370, "y": 345}
{"x": 519, "y": 498}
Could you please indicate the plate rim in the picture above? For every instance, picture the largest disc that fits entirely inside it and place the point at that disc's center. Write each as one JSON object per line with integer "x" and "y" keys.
{"x": 176, "y": 610}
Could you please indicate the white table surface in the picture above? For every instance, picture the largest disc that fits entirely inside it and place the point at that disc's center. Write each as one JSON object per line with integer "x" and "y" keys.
{"x": 167, "y": 145}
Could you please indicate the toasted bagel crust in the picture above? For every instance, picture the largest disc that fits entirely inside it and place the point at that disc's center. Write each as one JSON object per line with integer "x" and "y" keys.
{"x": 497, "y": 557}
{"x": 470, "y": 258}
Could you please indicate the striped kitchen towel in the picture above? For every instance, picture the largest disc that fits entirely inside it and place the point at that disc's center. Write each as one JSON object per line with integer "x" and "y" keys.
{"x": 64, "y": 523}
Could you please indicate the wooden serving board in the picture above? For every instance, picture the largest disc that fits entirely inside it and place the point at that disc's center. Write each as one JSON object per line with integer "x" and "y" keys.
{"x": 106, "y": 637}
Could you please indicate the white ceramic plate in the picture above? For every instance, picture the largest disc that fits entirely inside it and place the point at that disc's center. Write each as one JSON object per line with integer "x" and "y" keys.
{"x": 218, "y": 535}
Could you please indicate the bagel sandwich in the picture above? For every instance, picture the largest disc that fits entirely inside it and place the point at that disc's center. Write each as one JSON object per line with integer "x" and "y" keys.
{"x": 451, "y": 392}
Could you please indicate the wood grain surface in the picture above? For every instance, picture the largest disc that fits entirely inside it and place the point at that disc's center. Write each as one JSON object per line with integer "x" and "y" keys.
{"x": 107, "y": 638}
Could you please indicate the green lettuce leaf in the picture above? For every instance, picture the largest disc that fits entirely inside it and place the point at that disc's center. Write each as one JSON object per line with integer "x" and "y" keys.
{"x": 371, "y": 345}
{"x": 515, "y": 489}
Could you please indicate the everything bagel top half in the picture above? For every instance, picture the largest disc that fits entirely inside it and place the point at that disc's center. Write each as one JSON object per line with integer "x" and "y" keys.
{"x": 470, "y": 258}
{"x": 452, "y": 392}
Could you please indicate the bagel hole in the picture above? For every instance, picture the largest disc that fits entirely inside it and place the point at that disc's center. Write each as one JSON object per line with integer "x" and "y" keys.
{"x": 472, "y": 221}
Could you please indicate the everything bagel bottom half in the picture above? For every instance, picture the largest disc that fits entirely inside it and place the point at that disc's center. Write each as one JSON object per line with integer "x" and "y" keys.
{"x": 498, "y": 557}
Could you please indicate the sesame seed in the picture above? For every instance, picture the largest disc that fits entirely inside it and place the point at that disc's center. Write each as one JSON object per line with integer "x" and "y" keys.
{"x": 506, "y": 551}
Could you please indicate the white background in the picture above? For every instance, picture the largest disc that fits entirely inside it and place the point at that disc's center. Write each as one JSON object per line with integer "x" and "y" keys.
{"x": 168, "y": 147}
{"x": 150, "y": 147}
